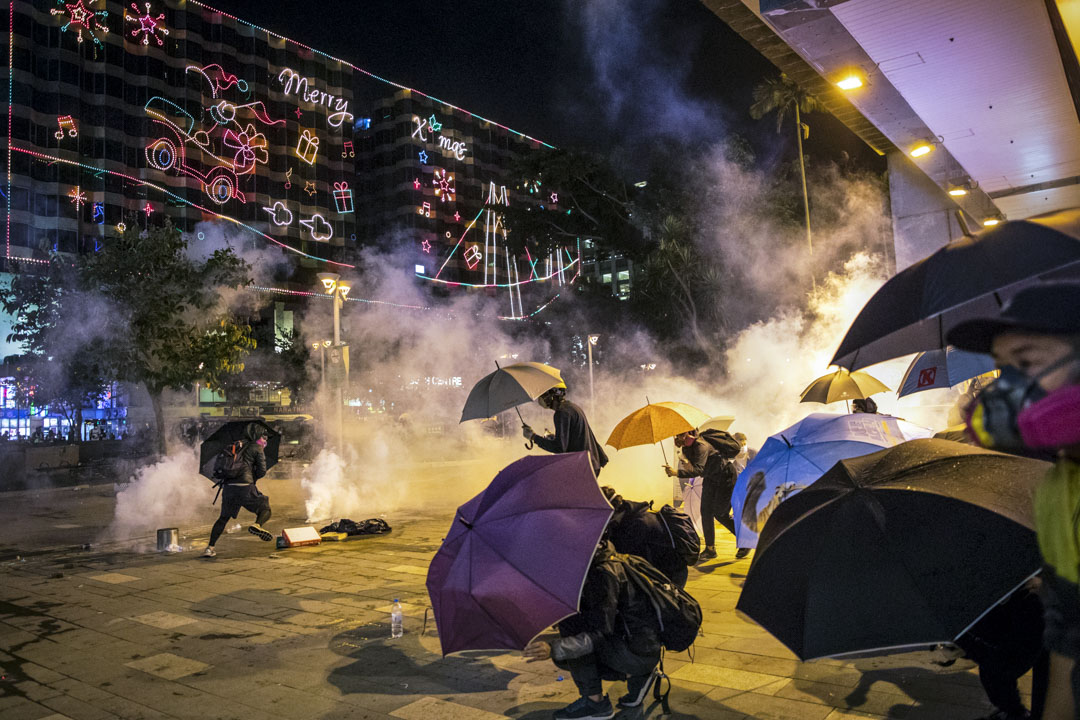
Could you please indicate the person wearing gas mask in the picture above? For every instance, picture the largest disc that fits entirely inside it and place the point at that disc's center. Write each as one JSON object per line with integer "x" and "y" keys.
{"x": 1034, "y": 408}
{"x": 572, "y": 431}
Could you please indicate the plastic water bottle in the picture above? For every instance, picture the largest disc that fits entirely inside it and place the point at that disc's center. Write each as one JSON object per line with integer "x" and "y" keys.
{"x": 396, "y": 629}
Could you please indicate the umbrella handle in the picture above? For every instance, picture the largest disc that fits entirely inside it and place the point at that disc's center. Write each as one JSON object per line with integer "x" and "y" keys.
{"x": 529, "y": 445}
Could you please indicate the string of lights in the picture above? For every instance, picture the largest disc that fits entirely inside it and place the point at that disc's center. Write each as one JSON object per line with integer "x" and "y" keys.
{"x": 324, "y": 296}
{"x": 146, "y": 183}
{"x": 455, "y": 283}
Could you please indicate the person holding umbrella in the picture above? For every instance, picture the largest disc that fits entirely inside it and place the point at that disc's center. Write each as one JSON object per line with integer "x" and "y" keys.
{"x": 1035, "y": 407}
{"x": 711, "y": 461}
{"x": 239, "y": 491}
{"x": 572, "y": 431}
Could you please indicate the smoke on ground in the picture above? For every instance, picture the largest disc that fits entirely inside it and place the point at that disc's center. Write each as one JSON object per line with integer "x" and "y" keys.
{"x": 167, "y": 494}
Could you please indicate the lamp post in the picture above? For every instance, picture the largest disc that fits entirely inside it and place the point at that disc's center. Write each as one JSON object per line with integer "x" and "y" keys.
{"x": 592, "y": 399}
{"x": 333, "y": 285}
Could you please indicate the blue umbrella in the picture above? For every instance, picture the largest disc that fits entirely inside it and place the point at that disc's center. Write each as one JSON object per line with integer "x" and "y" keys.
{"x": 936, "y": 369}
{"x": 794, "y": 458}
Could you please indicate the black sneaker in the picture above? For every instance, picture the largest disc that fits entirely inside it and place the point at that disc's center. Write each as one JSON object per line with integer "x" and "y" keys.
{"x": 707, "y": 554}
{"x": 260, "y": 532}
{"x": 741, "y": 553}
{"x": 637, "y": 689}
{"x": 585, "y": 709}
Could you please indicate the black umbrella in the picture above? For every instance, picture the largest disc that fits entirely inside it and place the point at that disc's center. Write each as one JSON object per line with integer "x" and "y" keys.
{"x": 229, "y": 433}
{"x": 968, "y": 278}
{"x": 906, "y": 547}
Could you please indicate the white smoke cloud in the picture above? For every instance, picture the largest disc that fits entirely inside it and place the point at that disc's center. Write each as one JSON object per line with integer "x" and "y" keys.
{"x": 169, "y": 493}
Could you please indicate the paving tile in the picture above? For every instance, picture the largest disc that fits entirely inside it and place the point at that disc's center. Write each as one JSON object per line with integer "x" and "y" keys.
{"x": 163, "y": 620}
{"x": 168, "y": 666}
{"x": 434, "y": 709}
{"x": 113, "y": 578}
{"x": 722, "y": 677}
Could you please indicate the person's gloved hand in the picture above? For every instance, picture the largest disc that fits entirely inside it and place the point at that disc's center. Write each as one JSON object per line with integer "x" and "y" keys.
{"x": 527, "y": 432}
{"x": 670, "y": 472}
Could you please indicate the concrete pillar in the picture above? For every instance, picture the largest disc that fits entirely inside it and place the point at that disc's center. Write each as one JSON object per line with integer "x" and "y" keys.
{"x": 923, "y": 216}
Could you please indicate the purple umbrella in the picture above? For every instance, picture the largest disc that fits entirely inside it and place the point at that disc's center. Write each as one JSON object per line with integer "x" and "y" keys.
{"x": 515, "y": 559}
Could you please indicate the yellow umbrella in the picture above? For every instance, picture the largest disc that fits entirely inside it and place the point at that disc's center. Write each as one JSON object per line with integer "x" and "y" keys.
{"x": 842, "y": 385}
{"x": 655, "y": 422}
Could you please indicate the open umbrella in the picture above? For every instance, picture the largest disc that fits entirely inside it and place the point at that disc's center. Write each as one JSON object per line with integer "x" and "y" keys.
{"x": 229, "y": 433}
{"x": 655, "y": 422}
{"x": 936, "y": 369}
{"x": 842, "y": 385}
{"x": 720, "y": 422}
{"x": 515, "y": 558}
{"x": 971, "y": 277}
{"x": 509, "y": 387}
{"x": 794, "y": 458}
{"x": 904, "y": 548}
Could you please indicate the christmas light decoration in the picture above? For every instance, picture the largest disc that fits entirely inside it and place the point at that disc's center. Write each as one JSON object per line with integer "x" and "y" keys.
{"x": 121, "y": 227}
{"x": 426, "y": 246}
{"x": 343, "y": 197}
{"x": 148, "y": 209}
{"x": 324, "y": 296}
{"x": 148, "y": 26}
{"x": 444, "y": 186}
{"x": 295, "y": 84}
{"x": 309, "y": 188}
{"x": 66, "y": 121}
{"x": 78, "y": 197}
{"x": 98, "y": 214}
{"x": 434, "y": 124}
{"x": 83, "y": 18}
{"x": 554, "y": 198}
{"x": 424, "y": 210}
{"x": 280, "y": 215}
{"x": 472, "y": 256}
{"x": 347, "y": 149}
{"x": 320, "y": 229}
{"x": 307, "y": 147}
{"x": 416, "y": 184}
{"x": 553, "y": 273}
{"x": 423, "y": 157}
{"x": 299, "y": 112}
{"x": 288, "y": 178}
{"x": 457, "y": 217}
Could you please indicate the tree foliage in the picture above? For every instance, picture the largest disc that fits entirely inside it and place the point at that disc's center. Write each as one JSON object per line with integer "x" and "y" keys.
{"x": 782, "y": 95}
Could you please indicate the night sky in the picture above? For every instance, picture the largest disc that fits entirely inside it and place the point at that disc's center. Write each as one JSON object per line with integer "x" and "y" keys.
{"x": 581, "y": 73}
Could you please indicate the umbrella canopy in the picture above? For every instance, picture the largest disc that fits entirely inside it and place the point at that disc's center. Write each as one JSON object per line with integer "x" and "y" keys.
{"x": 904, "y": 548}
{"x": 720, "y": 422}
{"x": 842, "y": 385}
{"x": 655, "y": 422}
{"x": 937, "y": 369}
{"x": 509, "y": 387}
{"x": 229, "y": 433}
{"x": 971, "y": 277}
{"x": 794, "y": 458}
{"x": 515, "y": 558}
{"x": 691, "y": 496}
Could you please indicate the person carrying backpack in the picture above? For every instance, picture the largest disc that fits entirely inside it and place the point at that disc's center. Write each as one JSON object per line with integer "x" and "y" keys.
{"x": 614, "y": 636}
{"x": 572, "y": 431}
{"x": 709, "y": 456}
{"x": 666, "y": 539}
{"x": 237, "y": 469}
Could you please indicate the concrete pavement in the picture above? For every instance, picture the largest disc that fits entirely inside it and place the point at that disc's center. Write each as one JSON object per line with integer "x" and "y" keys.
{"x": 304, "y": 633}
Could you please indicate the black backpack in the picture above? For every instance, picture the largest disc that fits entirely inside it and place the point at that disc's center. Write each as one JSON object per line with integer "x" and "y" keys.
{"x": 677, "y": 613}
{"x": 726, "y": 446}
{"x": 681, "y": 533}
{"x": 229, "y": 463}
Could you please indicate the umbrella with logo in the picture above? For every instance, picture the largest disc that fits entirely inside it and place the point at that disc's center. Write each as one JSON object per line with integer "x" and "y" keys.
{"x": 842, "y": 385}
{"x": 969, "y": 278}
{"x": 794, "y": 458}
{"x": 514, "y": 560}
{"x": 938, "y": 369}
{"x": 903, "y": 548}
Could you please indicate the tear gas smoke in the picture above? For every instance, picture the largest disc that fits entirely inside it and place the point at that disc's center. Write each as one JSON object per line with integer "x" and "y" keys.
{"x": 169, "y": 493}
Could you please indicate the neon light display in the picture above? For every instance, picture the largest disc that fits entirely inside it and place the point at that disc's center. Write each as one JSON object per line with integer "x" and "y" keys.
{"x": 299, "y": 113}
{"x": 320, "y": 229}
{"x": 434, "y": 124}
{"x": 148, "y": 209}
{"x": 416, "y": 183}
{"x": 121, "y": 227}
{"x": 307, "y": 147}
{"x": 66, "y": 121}
{"x": 347, "y": 149}
{"x": 554, "y": 197}
{"x": 78, "y": 197}
{"x": 457, "y": 148}
{"x": 148, "y": 25}
{"x": 324, "y": 296}
{"x": 280, "y": 215}
{"x": 98, "y": 215}
{"x": 423, "y": 157}
{"x": 424, "y": 209}
{"x": 309, "y": 187}
{"x": 444, "y": 187}
{"x": 473, "y": 256}
{"x": 288, "y": 178}
{"x": 426, "y": 246}
{"x": 83, "y": 18}
{"x": 295, "y": 84}
{"x": 343, "y": 197}
{"x": 457, "y": 217}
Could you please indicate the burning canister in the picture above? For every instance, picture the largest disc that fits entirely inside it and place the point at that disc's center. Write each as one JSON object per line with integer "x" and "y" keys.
{"x": 168, "y": 539}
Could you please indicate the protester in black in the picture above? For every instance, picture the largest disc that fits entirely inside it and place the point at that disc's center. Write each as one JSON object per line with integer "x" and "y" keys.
{"x": 635, "y": 530}
{"x": 613, "y": 637}
{"x": 711, "y": 461}
{"x": 240, "y": 492}
{"x": 572, "y": 431}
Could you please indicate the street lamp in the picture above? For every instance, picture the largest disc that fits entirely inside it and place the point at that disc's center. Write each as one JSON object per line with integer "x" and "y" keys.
{"x": 334, "y": 285}
{"x": 592, "y": 398}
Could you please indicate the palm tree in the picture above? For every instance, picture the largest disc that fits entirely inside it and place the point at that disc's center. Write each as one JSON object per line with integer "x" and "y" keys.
{"x": 782, "y": 95}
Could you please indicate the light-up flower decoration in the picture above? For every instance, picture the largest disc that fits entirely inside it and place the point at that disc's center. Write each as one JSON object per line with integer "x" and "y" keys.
{"x": 147, "y": 25}
{"x": 83, "y": 18}
{"x": 250, "y": 148}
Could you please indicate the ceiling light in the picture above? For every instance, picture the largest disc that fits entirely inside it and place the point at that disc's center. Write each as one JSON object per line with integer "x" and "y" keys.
{"x": 921, "y": 149}
{"x": 850, "y": 82}
{"x": 958, "y": 191}
{"x": 991, "y": 221}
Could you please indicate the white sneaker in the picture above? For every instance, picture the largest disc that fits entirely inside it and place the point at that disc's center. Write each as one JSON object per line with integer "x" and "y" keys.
{"x": 209, "y": 551}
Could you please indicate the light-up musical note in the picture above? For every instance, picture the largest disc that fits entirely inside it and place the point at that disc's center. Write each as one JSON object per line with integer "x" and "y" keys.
{"x": 348, "y": 149}
{"x": 424, "y": 210}
{"x": 66, "y": 121}
{"x": 288, "y": 179}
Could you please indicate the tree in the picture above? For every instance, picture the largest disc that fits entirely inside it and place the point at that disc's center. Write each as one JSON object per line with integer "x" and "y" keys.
{"x": 782, "y": 95}
{"x": 293, "y": 360}
{"x": 170, "y": 326}
{"x": 63, "y": 367}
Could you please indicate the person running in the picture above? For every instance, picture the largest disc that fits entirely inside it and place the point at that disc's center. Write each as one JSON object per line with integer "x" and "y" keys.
{"x": 239, "y": 492}
{"x": 572, "y": 431}
{"x": 711, "y": 461}
{"x": 1034, "y": 407}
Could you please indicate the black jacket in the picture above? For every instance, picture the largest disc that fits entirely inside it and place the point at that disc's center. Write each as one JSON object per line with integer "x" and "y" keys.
{"x": 254, "y": 463}
{"x": 710, "y": 458}
{"x": 573, "y": 434}
{"x": 635, "y": 530}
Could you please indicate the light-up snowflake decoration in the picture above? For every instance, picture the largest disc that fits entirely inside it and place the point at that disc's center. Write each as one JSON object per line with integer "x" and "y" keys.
{"x": 78, "y": 197}
{"x": 444, "y": 185}
{"x": 83, "y": 18}
{"x": 147, "y": 25}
